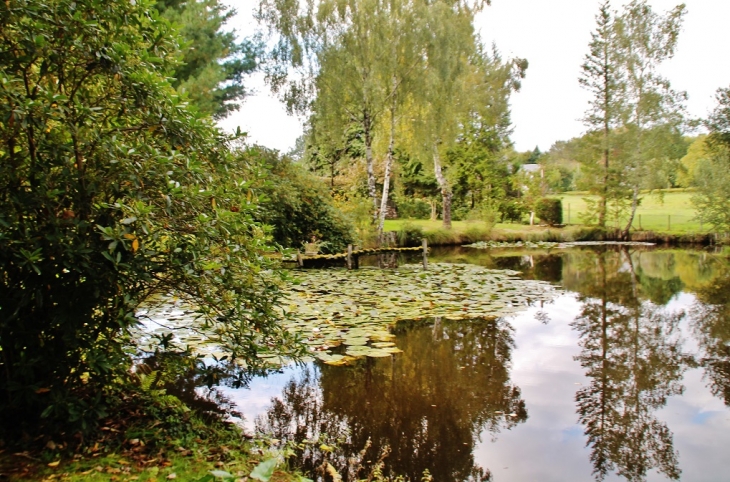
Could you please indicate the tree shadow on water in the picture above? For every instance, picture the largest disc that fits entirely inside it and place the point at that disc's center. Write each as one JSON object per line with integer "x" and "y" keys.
{"x": 631, "y": 350}
{"x": 426, "y": 408}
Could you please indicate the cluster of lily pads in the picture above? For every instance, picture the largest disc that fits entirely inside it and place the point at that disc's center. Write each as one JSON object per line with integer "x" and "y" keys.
{"x": 516, "y": 244}
{"x": 550, "y": 244}
{"x": 344, "y": 314}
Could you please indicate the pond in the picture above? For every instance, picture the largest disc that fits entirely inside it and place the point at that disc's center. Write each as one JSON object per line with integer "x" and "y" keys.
{"x": 621, "y": 373}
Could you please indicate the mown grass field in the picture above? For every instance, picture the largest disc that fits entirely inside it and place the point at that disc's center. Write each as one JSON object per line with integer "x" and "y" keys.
{"x": 666, "y": 212}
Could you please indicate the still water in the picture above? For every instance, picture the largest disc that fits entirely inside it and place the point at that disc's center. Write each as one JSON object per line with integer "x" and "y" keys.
{"x": 625, "y": 375}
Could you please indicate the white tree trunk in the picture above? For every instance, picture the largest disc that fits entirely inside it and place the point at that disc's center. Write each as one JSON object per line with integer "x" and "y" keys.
{"x": 446, "y": 193}
{"x": 388, "y": 162}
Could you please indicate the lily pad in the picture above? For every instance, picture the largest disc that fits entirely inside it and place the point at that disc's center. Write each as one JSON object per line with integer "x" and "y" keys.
{"x": 357, "y": 308}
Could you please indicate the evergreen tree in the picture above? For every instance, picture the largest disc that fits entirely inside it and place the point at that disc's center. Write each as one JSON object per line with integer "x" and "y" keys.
{"x": 213, "y": 63}
{"x": 602, "y": 77}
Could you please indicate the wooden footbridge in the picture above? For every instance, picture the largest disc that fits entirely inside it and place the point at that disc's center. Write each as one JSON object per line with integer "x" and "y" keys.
{"x": 351, "y": 258}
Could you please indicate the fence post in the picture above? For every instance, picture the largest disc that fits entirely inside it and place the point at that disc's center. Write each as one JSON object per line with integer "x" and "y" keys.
{"x": 425, "y": 253}
{"x": 349, "y": 256}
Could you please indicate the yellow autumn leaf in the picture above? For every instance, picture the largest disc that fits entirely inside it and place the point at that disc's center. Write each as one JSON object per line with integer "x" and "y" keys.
{"x": 130, "y": 236}
{"x": 135, "y": 245}
{"x": 54, "y": 464}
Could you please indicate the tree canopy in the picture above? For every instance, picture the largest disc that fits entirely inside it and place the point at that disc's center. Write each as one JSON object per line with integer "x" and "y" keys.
{"x": 212, "y": 63}
{"x": 411, "y": 75}
{"x": 111, "y": 190}
{"x": 633, "y": 106}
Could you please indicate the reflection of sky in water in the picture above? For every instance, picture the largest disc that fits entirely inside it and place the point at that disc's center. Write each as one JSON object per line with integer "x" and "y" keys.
{"x": 551, "y": 445}
{"x": 257, "y": 399}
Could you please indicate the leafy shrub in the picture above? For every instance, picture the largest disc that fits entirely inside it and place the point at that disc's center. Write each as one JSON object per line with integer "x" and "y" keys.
{"x": 296, "y": 204}
{"x": 110, "y": 190}
{"x": 486, "y": 212}
{"x": 511, "y": 210}
{"x": 550, "y": 211}
{"x": 413, "y": 208}
{"x": 359, "y": 210}
{"x": 410, "y": 235}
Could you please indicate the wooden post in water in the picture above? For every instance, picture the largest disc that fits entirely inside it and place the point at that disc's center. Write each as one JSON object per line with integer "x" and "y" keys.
{"x": 349, "y": 256}
{"x": 300, "y": 260}
{"x": 425, "y": 253}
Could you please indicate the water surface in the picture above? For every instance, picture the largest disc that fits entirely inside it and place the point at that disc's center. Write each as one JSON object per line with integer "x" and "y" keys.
{"x": 624, "y": 376}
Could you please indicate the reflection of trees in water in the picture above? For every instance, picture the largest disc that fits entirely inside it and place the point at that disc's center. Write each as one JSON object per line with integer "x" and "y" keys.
{"x": 711, "y": 324}
{"x": 194, "y": 382}
{"x": 631, "y": 351}
{"x": 428, "y": 404}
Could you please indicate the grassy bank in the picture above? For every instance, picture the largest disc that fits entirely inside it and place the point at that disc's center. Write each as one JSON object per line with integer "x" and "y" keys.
{"x": 667, "y": 217}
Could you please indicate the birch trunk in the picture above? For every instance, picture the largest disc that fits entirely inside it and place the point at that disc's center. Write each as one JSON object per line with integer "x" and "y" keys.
{"x": 372, "y": 192}
{"x": 446, "y": 193}
{"x": 388, "y": 164}
{"x": 634, "y": 206}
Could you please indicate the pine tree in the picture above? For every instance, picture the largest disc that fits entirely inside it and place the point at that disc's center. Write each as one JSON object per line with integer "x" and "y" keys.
{"x": 213, "y": 63}
{"x": 602, "y": 77}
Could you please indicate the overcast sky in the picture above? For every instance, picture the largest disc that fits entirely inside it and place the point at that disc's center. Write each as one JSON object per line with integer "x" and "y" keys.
{"x": 553, "y": 35}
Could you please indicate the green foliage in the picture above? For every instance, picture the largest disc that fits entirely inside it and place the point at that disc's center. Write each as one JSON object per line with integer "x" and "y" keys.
{"x": 296, "y": 204}
{"x": 410, "y": 234}
{"x": 413, "y": 208}
{"x": 712, "y": 200}
{"x": 480, "y": 170}
{"x": 550, "y": 211}
{"x": 697, "y": 153}
{"x": 213, "y": 63}
{"x": 264, "y": 470}
{"x": 718, "y": 123}
{"x": 712, "y": 176}
{"x": 110, "y": 191}
{"x": 358, "y": 210}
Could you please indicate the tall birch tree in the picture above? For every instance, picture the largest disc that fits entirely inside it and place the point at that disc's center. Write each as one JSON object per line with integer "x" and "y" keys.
{"x": 330, "y": 56}
{"x": 652, "y": 109}
{"x": 461, "y": 82}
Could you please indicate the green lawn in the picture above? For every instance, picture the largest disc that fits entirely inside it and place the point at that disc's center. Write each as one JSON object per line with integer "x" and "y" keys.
{"x": 670, "y": 212}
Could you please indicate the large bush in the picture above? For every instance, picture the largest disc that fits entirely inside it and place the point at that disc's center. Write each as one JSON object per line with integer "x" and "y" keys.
{"x": 110, "y": 190}
{"x": 296, "y": 204}
{"x": 549, "y": 211}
